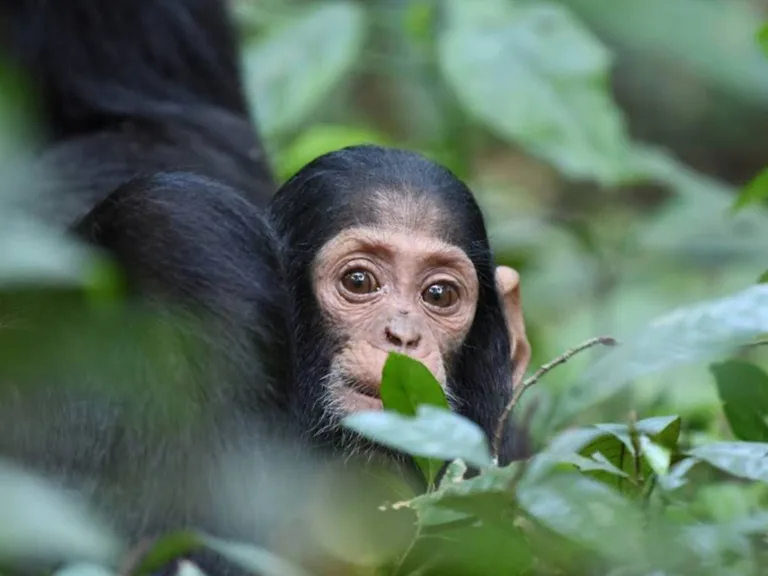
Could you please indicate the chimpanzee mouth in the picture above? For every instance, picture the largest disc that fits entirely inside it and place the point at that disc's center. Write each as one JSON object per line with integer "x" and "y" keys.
{"x": 353, "y": 393}
{"x": 359, "y": 396}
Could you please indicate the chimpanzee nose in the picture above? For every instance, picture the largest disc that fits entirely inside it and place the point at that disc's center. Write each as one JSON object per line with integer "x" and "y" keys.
{"x": 402, "y": 333}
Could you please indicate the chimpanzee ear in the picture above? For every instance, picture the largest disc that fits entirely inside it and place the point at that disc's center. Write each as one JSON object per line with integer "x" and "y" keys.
{"x": 508, "y": 285}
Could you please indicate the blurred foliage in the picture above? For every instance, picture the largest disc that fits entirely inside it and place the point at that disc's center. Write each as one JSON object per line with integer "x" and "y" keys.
{"x": 609, "y": 143}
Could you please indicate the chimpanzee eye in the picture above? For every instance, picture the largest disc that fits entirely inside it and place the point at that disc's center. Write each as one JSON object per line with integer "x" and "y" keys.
{"x": 441, "y": 294}
{"x": 360, "y": 282}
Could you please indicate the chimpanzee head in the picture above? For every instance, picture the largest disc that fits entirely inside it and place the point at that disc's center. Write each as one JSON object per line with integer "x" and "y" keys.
{"x": 386, "y": 251}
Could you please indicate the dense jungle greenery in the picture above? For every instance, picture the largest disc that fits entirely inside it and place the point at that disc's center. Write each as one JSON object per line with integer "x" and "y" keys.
{"x": 616, "y": 147}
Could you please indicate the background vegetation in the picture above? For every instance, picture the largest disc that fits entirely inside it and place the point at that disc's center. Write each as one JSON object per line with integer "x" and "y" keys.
{"x": 616, "y": 148}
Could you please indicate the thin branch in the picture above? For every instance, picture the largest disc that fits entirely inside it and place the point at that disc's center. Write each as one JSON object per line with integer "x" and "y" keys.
{"x": 528, "y": 382}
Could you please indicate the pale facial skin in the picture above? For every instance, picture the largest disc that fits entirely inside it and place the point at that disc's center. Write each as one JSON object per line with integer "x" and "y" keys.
{"x": 394, "y": 290}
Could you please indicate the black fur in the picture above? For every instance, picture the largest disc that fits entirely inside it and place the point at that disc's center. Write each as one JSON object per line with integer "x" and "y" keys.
{"x": 150, "y": 154}
{"x": 134, "y": 87}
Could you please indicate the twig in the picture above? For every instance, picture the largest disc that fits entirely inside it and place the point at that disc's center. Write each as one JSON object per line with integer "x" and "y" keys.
{"x": 528, "y": 382}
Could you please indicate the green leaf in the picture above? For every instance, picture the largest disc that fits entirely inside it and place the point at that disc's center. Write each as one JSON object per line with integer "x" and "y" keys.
{"x": 595, "y": 463}
{"x": 606, "y": 452}
{"x": 693, "y": 333}
{"x": 255, "y": 560}
{"x": 615, "y": 448}
{"x": 186, "y": 568}
{"x": 652, "y": 28}
{"x": 743, "y": 388}
{"x": 484, "y": 543}
{"x": 454, "y": 473}
{"x": 764, "y": 278}
{"x": 178, "y": 544}
{"x": 742, "y": 459}
{"x": 756, "y": 191}
{"x": 84, "y": 570}
{"x": 586, "y": 512}
{"x": 459, "y": 501}
{"x": 762, "y": 38}
{"x": 419, "y": 19}
{"x": 318, "y": 140}
{"x": 432, "y": 433}
{"x": 295, "y": 68}
{"x": 658, "y": 457}
{"x": 33, "y": 254}
{"x": 41, "y": 523}
{"x": 538, "y": 78}
{"x": 167, "y": 549}
{"x": 705, "y": 202}
{"x": 676, "y": 477}
{"x": 663, "y": 430}
{"x": 406, "y": 384}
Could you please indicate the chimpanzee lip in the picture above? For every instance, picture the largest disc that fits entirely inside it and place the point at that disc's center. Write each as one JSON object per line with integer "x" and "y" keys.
{"x": 360, "y": 402}
{"x": 366, "y": 389}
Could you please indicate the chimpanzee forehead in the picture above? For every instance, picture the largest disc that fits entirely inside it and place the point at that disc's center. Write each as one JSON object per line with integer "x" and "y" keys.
{"x": 391, "y": 241}
{"x": 408, "y": 210}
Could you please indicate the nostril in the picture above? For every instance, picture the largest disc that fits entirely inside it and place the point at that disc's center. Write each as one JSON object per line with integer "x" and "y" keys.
{"x": 402, "y": 342}
{"x": 393, "y": 338}
{"x": 413, "y": 342}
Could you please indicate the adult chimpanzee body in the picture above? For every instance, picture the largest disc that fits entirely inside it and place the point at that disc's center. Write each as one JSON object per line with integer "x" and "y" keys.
{"x": 152, "y": 156}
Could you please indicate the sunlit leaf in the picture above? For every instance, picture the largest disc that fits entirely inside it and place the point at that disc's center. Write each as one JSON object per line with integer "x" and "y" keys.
{"x": 186, "y": 568}
{"x": 607, "y": 453}
{"x": 743, "y": 459}
{"x": 618, "y": 453}
{"x": 166, "y": 549}
{"x": 318, "y": 140}
{"x": 533, "y": 74}
{"x": 432, "y": 433}
{"x": 406, "y": 384}
{"x": 689, "y": 334}
{"x": 753, "y": 524}
{"x": 753, "y": 193}
{"x": 179, "y": 544}
{"x": 728, "y": 501}
{"x": 743, "y": 388}
{"x": 475, "y": 548}
{"x": 296, "y": 67}
{"x": 573, "y": 440}
{"x": 419, "y": 18}
{"x": 652, "y": 28}
{"x": 454, "y": 473}
{"x": 254, "y": 560}
{"x": 762, "y": 39}
{"x": 717, "y": 546}
{"x": 664, "y": 430}
{"x": 676, "y": 477}
{"x": 461, "y": 500}
{"x": 42, "y": 524}
{"x": 84, "y": 570}
{"x": 595, "y": 463}
{"x": 658, "y": 457}
{"x": 32, "y": 254}
{"x": 586, "y": 512}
